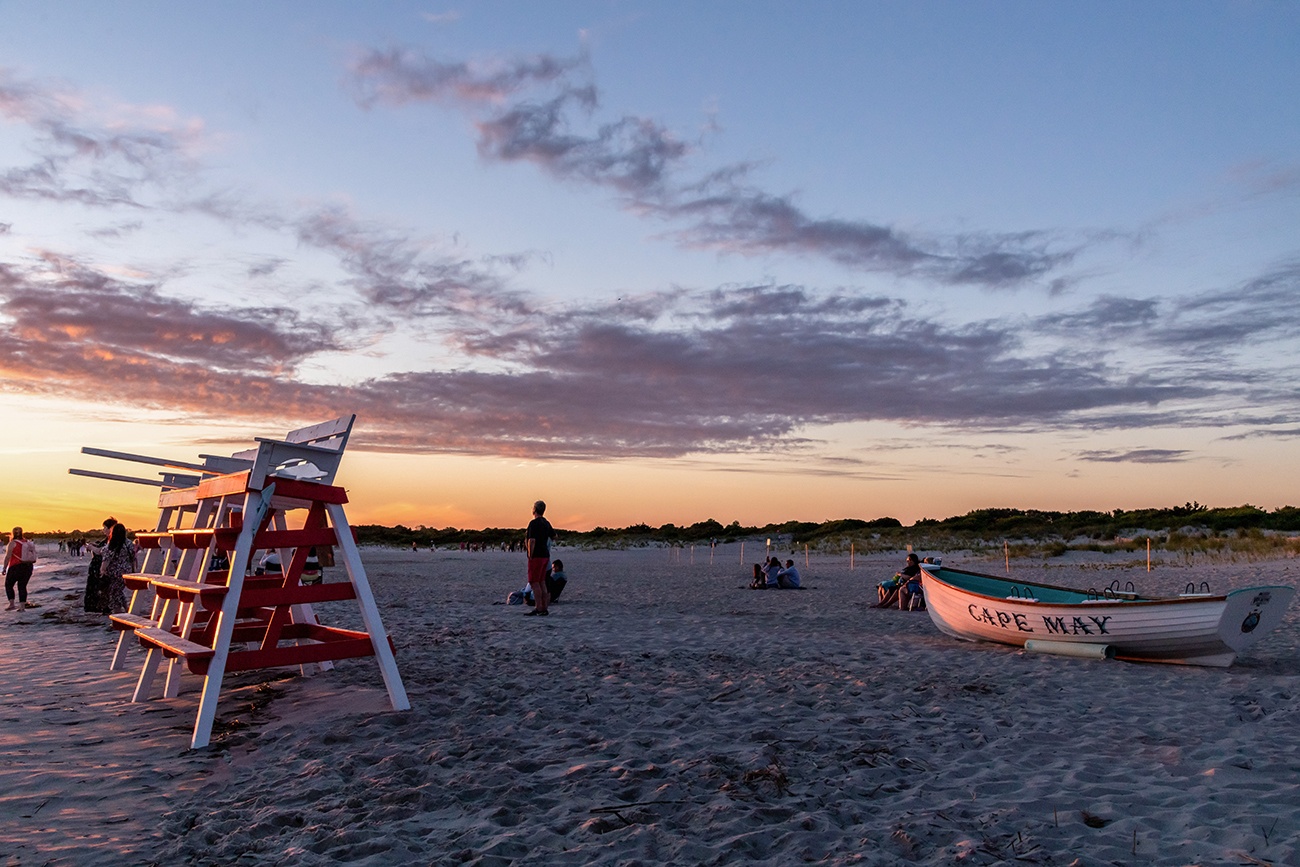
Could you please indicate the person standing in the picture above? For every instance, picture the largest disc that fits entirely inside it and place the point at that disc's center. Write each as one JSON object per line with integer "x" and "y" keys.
{"x": 95, "y": 600}
{"x": 537, "y": 544}
{"x": 119, "y": 559}
{"x": 20, "y": 559}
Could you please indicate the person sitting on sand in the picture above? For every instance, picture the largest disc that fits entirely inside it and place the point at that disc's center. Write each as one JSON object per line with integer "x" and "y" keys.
{"x": 788, "y": 578}
{"x": 758, "y": 582}
{"x": 887, "y": 590}
{"x": 311, "y": 571}
{"x": 556, "y": 580}
{"x": 770, "y": 569}
{"x": 270, "y": 563}
{"x": 910, "y": 596}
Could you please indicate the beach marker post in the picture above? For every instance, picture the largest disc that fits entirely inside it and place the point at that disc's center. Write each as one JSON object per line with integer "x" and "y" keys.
{"x": 1148, "y": 553}
{"x": 805, "y": 555}
{"x": 1006, "y": 552}
{"x": 851, "y": 553}
{"x": 742, "y": 552}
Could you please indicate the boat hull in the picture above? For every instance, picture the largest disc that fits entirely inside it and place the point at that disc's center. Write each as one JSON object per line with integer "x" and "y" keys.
{"x": 1192, "y": 630}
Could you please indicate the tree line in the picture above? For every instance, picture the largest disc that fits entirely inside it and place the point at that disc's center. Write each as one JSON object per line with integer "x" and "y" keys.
{"x": 980, "y": 523}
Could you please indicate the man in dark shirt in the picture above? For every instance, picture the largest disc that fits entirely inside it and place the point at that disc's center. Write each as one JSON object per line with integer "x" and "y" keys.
{"x": 537, "y": 544}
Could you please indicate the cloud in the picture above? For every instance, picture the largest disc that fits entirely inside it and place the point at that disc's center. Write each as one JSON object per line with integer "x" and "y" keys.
{"x": 1202, "y": 328}
{"x": 646, "y": 164}
{"x": 451, "y": 16}
{"x": 1136, "y": 456}
{"x": 667, "y": 374}
{"x": 108, "y": 160}
{"x": 1267, "y": 433}
{"x": 631, "y": 155}
{"x": 397, "y": 77}
{"x": 70, "y": 327}
{"x": 392, "y": 272}
{"x": 750, "y": 368}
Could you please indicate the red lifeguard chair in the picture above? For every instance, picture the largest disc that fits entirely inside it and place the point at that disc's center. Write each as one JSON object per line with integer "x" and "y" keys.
{"x": 210, "y": 621}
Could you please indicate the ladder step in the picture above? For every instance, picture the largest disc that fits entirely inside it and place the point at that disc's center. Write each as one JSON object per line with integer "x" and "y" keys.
{"x": 172, "y": 644}
{"x": 123, "y": 622}
{"x": 208, "y": 595}
{"x": 191, "y": 539}
{"x": 153, "y": 540}
{"x": 138, "y": 580}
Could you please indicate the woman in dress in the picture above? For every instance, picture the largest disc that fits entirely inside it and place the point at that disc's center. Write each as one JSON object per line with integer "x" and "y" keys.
{"x": 119, "y": 559}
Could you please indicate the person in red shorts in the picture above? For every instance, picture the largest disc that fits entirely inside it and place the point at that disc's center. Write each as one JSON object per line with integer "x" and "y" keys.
{"x": 537, "y": 544}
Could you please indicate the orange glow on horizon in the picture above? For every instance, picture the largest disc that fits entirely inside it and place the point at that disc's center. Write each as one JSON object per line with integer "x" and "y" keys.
{"x": 474, "y": 492}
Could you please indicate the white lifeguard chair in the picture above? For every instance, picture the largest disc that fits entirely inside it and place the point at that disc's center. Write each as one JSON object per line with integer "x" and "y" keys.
{"x": 211, "y": 622}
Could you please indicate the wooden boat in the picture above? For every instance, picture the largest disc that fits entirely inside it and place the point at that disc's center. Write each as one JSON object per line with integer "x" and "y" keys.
{"x": 1191, "y": 629}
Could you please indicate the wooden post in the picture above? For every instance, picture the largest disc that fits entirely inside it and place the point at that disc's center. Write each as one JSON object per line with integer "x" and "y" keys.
{"x": 1148, "y": 553}
{"x": 1006, "y": 552}
{"x": 805, "y": 555}
{"x": 742, "y": 552}
{"x": 851, "y": 553}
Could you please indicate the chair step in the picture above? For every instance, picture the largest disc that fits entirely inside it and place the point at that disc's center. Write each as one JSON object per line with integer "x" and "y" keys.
{"x": 138, "y": 580}
{"x": 208, "y": 595}
{"x": 173, "y": 645}
{"x": 123, "y": 622}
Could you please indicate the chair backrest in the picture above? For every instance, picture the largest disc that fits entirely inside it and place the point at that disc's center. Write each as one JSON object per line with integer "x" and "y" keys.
{"x": 310, "y": 454}
{"x": 328, "y": 434}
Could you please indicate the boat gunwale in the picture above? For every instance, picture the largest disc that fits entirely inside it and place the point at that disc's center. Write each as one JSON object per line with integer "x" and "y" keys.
{"x": 1136, "y": 600}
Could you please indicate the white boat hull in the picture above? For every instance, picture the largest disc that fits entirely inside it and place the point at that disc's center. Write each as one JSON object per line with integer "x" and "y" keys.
{"x": 1196, "y": 630}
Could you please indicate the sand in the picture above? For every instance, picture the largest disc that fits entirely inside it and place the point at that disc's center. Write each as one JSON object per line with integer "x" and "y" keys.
{"x": 662, "y": 714}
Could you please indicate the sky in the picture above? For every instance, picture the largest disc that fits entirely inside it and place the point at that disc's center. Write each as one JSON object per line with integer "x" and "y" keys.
{"x": 656, "y": 261}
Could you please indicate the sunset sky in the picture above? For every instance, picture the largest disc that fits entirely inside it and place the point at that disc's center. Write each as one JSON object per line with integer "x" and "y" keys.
{"x": 656, "y": 261}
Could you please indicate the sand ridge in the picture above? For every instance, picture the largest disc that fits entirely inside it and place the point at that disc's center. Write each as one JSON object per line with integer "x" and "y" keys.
{"x": 661, "y": 714}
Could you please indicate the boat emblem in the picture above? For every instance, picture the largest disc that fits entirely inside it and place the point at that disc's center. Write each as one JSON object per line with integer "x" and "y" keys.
{"x": 1262, "y": 598}
{"x": 1251, "y": 621}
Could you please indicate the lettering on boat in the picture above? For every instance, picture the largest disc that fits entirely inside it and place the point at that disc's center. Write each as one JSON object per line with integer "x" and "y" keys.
{"x": 1059, "y": 625}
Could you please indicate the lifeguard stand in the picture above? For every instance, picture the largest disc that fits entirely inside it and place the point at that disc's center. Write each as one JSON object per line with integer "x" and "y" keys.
{"x": 212, "y": 621}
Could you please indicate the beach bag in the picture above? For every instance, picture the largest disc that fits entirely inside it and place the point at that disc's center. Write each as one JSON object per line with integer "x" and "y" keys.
{"x": 26, "y": 551}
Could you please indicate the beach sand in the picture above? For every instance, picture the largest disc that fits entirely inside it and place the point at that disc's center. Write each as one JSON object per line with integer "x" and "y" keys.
{"x": 662, "y": 714}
